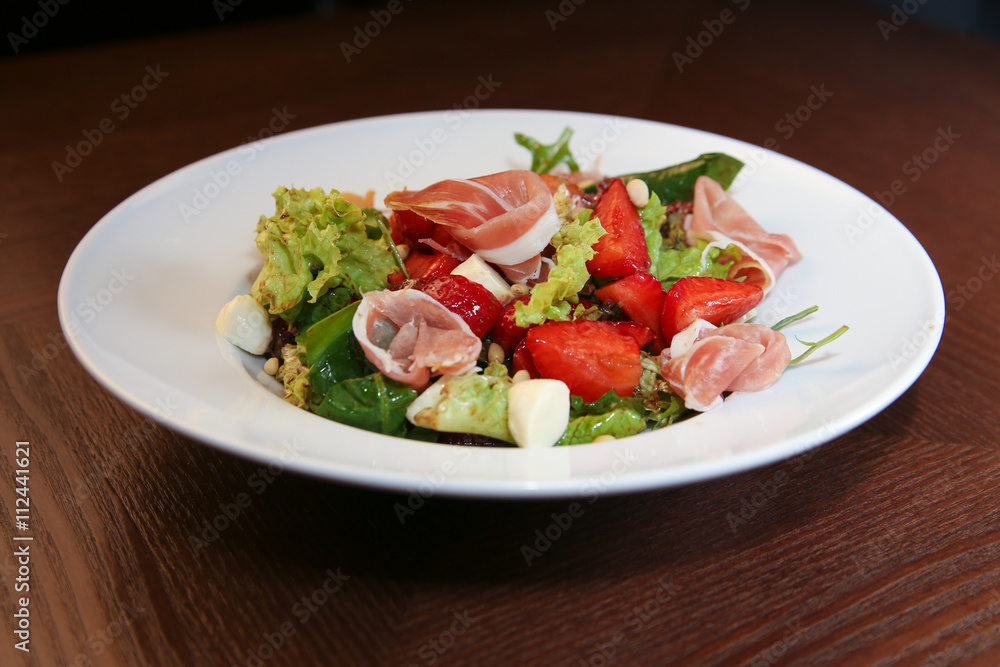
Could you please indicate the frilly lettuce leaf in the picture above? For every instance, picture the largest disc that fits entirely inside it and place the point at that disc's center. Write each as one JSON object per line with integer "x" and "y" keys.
{"x": 474, "y": 403}
{"x": 674, "y": 264}
{"x": 611, "y": 414}
{"x": 316, "y": 241}
{"x": 556, "y": 298}
{"x": 620, "y": 423}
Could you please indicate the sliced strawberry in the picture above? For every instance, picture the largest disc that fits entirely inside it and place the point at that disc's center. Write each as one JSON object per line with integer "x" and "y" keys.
{"x": 641, "y": 296}
{"x": 521, "y": 359}
{"x": 590, "y": 357}
{"x": 469, "y": 300}
{"x": 421, "y": 265}
{"x": 409, "y": 227}
{"x": 642, "y": 334}
{"x": 505, "y": 332}
{"x": 716, "y": 300}
{"x": 622, "y": 251}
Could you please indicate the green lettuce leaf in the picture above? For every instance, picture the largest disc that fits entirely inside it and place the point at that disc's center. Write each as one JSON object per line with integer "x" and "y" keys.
{"x": 677, "y": 182}
{"x": 556, "y": 298}
{"x": 620, "y": 423}
{"x": 316, "y": 241}
{"x": 474, "y": 403}
{"x": 672, "y": 265}
{"x": 544, "y": 158}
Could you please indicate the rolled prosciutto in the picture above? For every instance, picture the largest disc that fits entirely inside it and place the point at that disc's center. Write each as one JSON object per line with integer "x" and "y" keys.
{"x": 720, "y": 220}
{"x": 506, "y": 218}
{"x": 703, "y": 361}
{"x": 410, "y": 337}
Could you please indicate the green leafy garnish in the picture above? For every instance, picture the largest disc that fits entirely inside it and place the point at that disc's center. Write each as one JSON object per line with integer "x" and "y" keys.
{"x": 545, "y": 158}
{"x": 818, "y": 344}
{"x": 474, "y": 403}
{"x": 316, "y": 241}
{"x": 677, "y": 182}
{"x": 794, "y": 318}
{"x": 556, "y": 298}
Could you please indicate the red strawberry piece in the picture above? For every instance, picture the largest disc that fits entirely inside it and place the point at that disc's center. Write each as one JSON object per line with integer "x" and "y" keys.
{"x": 468, "y": 299}
{"x": 590, "y": 357}
{"x": 421, "y": 265}
{"x": 716, "y": 300}
{"x": 521, "y": 360}
{"x": 622, "y": 251}
{"x": 642, "y": 334}
{"x": 641, "y": 296}
{"x": 409, "y": 227}
{"x": 505, "y": 332}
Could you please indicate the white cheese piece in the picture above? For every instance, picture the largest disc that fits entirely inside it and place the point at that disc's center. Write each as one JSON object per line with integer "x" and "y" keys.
{"x": 478, "y": 271}
{"x": 537, "y": 412}
{"x": 245, "y": 324}
{"x": 683, "y": 340}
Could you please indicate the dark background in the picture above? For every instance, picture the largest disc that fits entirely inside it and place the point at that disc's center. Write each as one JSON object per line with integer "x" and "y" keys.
{"x": 40, "y": 25}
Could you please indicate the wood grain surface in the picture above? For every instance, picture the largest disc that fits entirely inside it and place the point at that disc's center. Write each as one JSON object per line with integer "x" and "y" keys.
{"x": 880, "y": 547}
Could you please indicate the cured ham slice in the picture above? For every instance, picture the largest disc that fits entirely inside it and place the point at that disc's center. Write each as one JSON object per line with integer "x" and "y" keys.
{"x": 506, "y": 218}
{"x": 720, "y": 220}
{"x": 704, "y": 360}
{"x": 409, "y": 336}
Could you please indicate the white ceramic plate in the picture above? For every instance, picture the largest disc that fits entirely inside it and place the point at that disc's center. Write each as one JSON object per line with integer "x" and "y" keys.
{"x": 139, "y": 297}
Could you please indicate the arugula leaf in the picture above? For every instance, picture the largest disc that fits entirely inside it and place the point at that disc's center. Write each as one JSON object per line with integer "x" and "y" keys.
{"x": 544, "y": 158}
{"x": 677, "y": 182}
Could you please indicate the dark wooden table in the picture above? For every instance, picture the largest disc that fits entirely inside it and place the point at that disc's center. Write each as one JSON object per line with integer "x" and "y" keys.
{"x": 882, "y": 547}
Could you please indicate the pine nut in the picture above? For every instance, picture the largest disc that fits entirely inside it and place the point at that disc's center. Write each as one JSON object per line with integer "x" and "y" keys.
{"x": 271, "y": 365}
{"x": 638, "y": 192}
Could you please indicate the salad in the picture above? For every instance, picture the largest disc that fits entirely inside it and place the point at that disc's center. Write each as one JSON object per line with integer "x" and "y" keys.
{"x": 532, "y": 307}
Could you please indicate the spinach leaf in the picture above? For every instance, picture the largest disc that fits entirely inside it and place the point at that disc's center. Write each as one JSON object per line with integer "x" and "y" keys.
{"x": 677, "y": 182}
{"x": 373, "y": 402}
